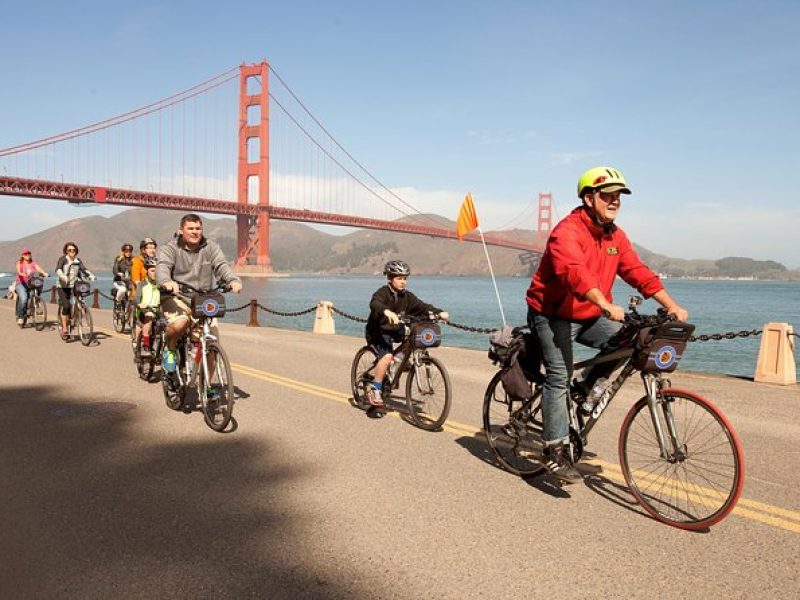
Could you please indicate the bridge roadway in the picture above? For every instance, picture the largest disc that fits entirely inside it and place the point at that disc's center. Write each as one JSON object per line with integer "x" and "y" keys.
{"x": 107, "y": 492}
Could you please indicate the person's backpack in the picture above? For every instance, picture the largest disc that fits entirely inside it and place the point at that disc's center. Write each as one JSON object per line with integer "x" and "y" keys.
{"x": 517, "y": 354}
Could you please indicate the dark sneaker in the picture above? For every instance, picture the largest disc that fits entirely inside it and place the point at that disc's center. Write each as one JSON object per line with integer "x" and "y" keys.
{"x": 144, "y": 352}
{"x": 558, "y": 463}
{"x": 373, "y": 412}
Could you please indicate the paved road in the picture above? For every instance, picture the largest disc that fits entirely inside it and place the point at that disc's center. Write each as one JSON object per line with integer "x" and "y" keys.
{"x": 106, "y": 492}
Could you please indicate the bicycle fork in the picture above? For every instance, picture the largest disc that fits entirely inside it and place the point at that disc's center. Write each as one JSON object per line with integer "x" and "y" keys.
{"x": 672, "y": 450}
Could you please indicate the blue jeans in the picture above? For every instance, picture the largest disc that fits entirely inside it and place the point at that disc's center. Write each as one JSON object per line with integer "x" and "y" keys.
{"x": 22, "y": 299}
{"x": 555, "y": 336}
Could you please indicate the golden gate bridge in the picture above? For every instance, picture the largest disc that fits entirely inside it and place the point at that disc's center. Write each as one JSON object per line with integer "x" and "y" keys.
{"x": 177, "y": 153}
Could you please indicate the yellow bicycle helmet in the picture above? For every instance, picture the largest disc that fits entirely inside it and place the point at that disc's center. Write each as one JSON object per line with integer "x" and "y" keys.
{"x": 602, "y": 178}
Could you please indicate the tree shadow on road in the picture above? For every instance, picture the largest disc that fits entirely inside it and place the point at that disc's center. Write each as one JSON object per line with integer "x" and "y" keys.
{"x": 94, "y": 505}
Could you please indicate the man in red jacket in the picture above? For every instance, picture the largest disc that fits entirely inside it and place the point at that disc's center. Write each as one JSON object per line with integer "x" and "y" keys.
{"x": 569, "y": 298}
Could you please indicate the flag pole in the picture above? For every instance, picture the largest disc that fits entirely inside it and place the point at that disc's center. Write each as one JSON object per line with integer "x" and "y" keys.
{"x": 491, "y": 272}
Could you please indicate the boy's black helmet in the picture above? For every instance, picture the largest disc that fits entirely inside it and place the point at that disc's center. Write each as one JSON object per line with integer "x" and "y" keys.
{"x": 394, "y": 268}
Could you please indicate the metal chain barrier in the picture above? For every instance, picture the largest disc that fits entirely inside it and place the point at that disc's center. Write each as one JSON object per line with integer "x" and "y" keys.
{"x": 106, "y": 296}
{"x": 238, "y": 308}
{"x": 348, "y": 316}
{"x": 472, "y": 329}
{"x": 724, "y": 336}
{"x": 287, "y": 314}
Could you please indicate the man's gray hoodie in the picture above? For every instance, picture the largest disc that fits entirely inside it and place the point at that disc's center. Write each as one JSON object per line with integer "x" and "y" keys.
{"x": 198, "y": 268}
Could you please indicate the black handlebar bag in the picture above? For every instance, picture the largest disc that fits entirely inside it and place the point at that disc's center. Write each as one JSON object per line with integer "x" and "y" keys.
{"x": 83, "y": 288}
{"x": 426, "y": 335}
{"x": 659, "y": 349}
{"x": 208, "y": 304}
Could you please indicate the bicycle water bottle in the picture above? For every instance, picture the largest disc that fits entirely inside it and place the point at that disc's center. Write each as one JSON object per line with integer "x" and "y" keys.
{"x": 595, "y": 394}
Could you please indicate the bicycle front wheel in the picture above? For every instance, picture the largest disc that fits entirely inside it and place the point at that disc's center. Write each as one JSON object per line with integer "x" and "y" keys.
{"x": 361, "y": 376}
{"x": 699, "y": 481}
{"x": 216, "y": 393}
{"x": 428, "y": 393}
{"x": 39, "y": 313}
{"x": 118, "y": 316}
{"x": 85, "y": 324}
{"x": 515, "y": 439}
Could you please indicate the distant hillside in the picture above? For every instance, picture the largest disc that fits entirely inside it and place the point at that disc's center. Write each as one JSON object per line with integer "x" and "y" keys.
{"x": 297, "y": 247}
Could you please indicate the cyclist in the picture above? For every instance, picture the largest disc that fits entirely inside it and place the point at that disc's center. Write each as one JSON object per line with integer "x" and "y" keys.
{"x": 68, "y": 268}
{"x": 195, "y": 260}
{"x": 569, "y": 298}
{"x": 149, "y": 299}
{"x": 122, "y": 272}
{"x": 388, "y": 305}
{"x": 26, "y": 268}
{"x": 147, "y": 249}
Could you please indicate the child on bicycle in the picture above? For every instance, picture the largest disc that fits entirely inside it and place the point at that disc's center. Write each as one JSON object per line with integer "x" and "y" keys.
{"x": 147, "y": 306}
{"x": 389, "y": 304}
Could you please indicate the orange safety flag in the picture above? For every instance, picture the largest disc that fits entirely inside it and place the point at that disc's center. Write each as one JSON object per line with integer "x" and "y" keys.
{"x": 467, "y": 218}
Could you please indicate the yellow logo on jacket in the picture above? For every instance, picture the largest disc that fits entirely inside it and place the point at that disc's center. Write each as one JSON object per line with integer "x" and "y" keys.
{"x": 612, "y": 250}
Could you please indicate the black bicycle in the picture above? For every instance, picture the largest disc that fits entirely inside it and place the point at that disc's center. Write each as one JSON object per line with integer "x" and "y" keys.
{"x": 428, "y": 388}
{"x": 202, "y": 363}
{"x": 146, "y": 359}
{"x": 80, "y": 315}
{"x": 122, "y": 312}
{"x": 680, "y": 456}
{"x": 35, "y": 307}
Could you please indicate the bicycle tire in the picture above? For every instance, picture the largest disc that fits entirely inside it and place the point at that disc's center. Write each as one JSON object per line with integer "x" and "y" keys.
{"x": 363, "y": 360}
{"x": 703, "y": 484}
{"x": 144, "y": 365}
{"x": 39, "y": 313}
{"x": 517, "y": 447}
{"x": 85, "y": 324}
{"x": 428, "y": 394}
{"x": 118, "y": 316}
{"x": 217, "y": 413}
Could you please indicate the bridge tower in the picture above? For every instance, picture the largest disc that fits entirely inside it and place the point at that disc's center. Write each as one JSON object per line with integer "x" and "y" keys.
{"x": 545, "y": 217}
{"x": 253, "y": 231}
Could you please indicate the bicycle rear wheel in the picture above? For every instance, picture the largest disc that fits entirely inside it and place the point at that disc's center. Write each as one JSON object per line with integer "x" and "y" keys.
{"x": 701, "y": 479}
{"x": 428, "y": 393}
{"x": 39, "y": 312}
{"x": 216, "y": 394}
{"x": 85, "y": 324}
{"x": 361, "y": 376}
{"x": 145, "y": 365}
{"x": 515, "y": 441}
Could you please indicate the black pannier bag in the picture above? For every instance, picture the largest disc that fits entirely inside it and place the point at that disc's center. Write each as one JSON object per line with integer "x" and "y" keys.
{"x": 426, "y": 335}
{"x": 36, "y": 283}
{"x": 518, "y": 356}
{"x": 208, "y": 304}
{"x": 659, "y": 349}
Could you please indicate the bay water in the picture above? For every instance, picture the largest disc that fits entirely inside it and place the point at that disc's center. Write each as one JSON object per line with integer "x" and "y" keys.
{"x": 715, "y": 306}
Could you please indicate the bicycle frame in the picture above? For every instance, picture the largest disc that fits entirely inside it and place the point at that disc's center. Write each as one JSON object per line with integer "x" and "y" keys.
{"x": 191, "y": 372}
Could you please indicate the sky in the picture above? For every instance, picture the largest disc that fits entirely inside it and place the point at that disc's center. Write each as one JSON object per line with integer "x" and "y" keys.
{"x": 695, "y": 102}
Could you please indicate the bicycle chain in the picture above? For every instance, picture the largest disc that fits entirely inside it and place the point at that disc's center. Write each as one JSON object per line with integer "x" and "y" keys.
{"x": 287, "y": 314}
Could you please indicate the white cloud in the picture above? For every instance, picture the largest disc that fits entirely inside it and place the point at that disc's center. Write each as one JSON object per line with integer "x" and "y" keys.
{"x": 568, "y": 158}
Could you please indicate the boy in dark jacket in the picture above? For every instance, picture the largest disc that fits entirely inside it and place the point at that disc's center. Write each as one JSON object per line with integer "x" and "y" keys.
{"x": 388, "y": 305}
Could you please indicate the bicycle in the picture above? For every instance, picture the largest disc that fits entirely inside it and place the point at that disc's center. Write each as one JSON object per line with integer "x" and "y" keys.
{"x": 35, "y": 307}
{"x": 122, "y": 312}
{"x": 80, "y": 315}
{"x": 146, "y": 365}
{"x": 428, "y": 388}
{"x": 680, "y": 456}
{"x": 202, "y": 363}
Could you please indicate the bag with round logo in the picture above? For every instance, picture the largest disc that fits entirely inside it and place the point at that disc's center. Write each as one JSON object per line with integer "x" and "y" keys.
{"x": 208, "y": 304}
{"x": 426, "y": 335}
{"x": 659, "y": 349}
